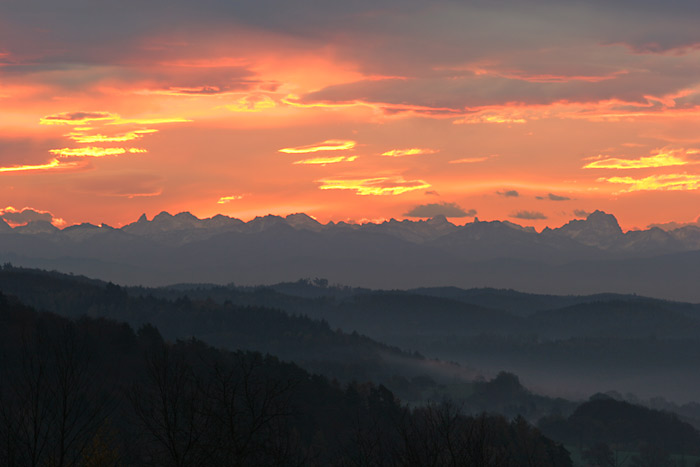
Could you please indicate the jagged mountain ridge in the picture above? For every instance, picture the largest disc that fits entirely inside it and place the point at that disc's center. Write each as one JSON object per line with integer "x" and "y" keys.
{"x": 599, "y": 230}
{"x": 584, "y": 256}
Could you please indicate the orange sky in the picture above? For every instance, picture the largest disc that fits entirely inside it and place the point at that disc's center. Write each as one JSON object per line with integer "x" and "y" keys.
{"x": 351, "y": 112}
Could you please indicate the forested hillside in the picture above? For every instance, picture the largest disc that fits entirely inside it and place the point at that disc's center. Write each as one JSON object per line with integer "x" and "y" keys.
{"x": 94, "y": 392}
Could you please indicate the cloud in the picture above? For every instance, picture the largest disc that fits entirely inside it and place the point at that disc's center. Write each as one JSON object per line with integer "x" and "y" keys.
{"x": 52, "y": 164}
{"x": 94, "y": 152}
{"x": 409, "y": 152}
{"x": 528, "y": 215}
{"x": 665, "y": 157}
{"x": 227, "y": 199}
{"x": 325, "y": 160}
{"x": 82, "y": 119}
{"x": 543, "y": 77}
{"x": 148, "y": 121}
{"x": 470, "y": 160}
{"x": 508, "y": 193}
{"x": 418, "y": 39}
{"x": 580, "y": 213}
{"x": 328, "y": 145}
{"x": 253, "y": 103}
{"x": 77, "y": 118}
{"x": 490, "y": 117}
{"x": 83, "y": 123}
{"x": 667, "y": 182}
{"x": 440, "y": 209}
{"x": 191, "y": 91}
{"x": 395, "y": 185}
{"x": 83, "y": 138}
{"x": 432, "y": 193}
{"x": 16, "y": 217}
{"x": 553, "y": 197}
{"x": 59, "y": 163}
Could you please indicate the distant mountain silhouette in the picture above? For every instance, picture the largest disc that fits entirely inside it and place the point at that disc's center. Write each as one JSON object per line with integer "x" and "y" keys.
{"x": 581, "y": 257}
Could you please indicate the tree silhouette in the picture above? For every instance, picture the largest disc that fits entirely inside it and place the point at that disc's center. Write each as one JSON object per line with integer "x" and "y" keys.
{"x": 52, "y": 403}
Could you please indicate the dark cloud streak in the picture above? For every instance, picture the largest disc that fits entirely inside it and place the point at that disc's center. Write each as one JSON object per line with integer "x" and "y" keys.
{"x": 528, "y": 215}
{"x": 440, "y": 209}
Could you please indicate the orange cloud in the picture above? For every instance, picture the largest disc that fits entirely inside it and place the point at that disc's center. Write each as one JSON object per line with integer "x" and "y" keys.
{"x": 188, "y": 91}
{"x": 88, "y": 118}
{"x": 669, "y": 182}
{"x": 543, "y": 77}
{"x": 16, "y": 217}
{"x": 226, "y": 199}
{"x": 87, "y": 139}
{"x": 384, "y": 107}
{"x": 77, "y": 118}
{"x": 53, "y": 164}
{"x": 489, "y": 117}
{"x": 375, "y": 186}
{"x": 661, "y": 158}
{"x": 328, "y": 145}
{"x": 219, "y": 62}
{"x": 408, "y": 152}
{"x": 94, "y": 152}
{"x": 326, "y": 160}
{"x": 470, "y": 160}
{"x": 252, "y": 104}
{"x": 148, "y": 121}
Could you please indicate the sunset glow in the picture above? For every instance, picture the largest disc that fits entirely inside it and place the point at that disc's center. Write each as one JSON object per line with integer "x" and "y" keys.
{"x": 330, "y": 145}
{"x": 353, "y": 112}
{"x": 375, "y": 186}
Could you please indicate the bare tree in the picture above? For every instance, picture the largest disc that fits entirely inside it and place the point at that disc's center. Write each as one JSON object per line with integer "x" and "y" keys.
{"x": 52, "y": 404}
{"x": 248, "y": 412}
{"x": 223, "y": 413}
{"x": 169, "y": 408}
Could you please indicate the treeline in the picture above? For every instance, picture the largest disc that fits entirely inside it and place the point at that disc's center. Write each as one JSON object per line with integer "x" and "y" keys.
{"x": 310, "y": 342}
{"x": 604, "y": 425}
{"x": 94, "y": 392}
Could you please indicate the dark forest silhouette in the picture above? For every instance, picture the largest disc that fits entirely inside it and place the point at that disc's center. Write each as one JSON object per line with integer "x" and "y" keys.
{"x": 94, "y": 392}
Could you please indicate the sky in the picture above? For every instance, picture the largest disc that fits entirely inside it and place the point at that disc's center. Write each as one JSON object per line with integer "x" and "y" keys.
{"x": 535, "y": 112}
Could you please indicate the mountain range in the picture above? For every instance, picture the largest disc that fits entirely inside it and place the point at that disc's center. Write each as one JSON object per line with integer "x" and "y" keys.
{"x": 587, "y": 256}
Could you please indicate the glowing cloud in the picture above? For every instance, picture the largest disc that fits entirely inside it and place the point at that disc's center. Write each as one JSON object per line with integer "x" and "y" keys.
{"x": 82, "y": 119}
{"x": 375, "y": 186}
{"x": 227, "y": 199}
{"x": 94, "y": 152}
{"x": 222, "y": 62}
{"x": 77, "y": 118}
{"x": 252, "y": 104}
{"x": 148, "y": 121}
{"x": 669, "y": 182}
{"x": 53, "y": 164}
{"x": 408, "y": 152}
{"x": 661, "y": 158}
{"x": 192, "y": 91}
{"x": 542, "y": 77}
{"x": 469, "y": 160}
{"x": 491, "y": 118}
{"x": 328, "y": 145}
{"x": 87, "y": 139}
{"x": 15, "y": 217}
{"x": 326, "y": 160}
